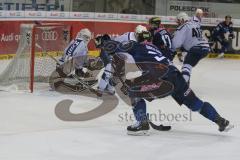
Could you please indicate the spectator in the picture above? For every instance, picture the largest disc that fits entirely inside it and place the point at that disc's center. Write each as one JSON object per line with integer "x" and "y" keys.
{"x": 131, "y": 9}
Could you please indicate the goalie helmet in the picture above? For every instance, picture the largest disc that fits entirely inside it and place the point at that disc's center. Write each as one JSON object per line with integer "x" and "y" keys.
{"x": 85, "y": 35}
{"x": 182, "y": 17}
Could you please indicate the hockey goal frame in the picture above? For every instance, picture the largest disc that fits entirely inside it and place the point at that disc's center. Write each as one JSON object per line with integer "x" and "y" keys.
{"x": 33, "y": 49}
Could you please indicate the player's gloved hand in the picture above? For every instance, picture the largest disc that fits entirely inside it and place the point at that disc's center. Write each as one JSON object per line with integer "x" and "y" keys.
{"x": 231, "y": 36}
{"x": 59, "y": 70}
{"x": 95, "y": 64}
{"x": 180, "y": 56}
{"x": 81, "y": 73}
{"x": 224, "y": 40}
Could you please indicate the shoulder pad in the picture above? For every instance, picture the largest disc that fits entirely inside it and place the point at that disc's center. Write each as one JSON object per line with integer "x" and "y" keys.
{"x": 181, "y": 27}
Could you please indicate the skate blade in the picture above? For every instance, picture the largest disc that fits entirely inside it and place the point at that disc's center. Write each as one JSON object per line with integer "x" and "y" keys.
{"x": 139, "y": 133}
{"x": 228, "y": 128}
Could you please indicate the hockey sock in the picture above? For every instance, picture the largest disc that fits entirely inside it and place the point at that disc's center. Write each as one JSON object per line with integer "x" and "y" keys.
{"x": 208, "y": 111}
{"x": 139, "y": 110}
{"x": 186, "y": 72}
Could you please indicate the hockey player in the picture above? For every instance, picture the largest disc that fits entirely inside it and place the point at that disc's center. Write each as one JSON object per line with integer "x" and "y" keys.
{"x": 197, "y": 18}
{"x": 77, "y": 50}
{"x": 107, "y": 80}
{"x": 219, "y": 32}
{"x": 189, "y": 36}
{"x": 72, "y": 70}
{"x": 130, "y": 36}
{"x": 149, "y": 59}
{"x": 161, "y": 37}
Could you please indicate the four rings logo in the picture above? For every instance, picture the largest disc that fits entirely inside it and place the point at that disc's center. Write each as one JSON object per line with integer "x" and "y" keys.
{"x": 49, "y": 35}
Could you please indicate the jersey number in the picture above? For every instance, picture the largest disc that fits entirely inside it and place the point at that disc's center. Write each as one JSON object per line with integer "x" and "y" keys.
{"x": 167, "y": 41}
{"x": 196, "y": 32}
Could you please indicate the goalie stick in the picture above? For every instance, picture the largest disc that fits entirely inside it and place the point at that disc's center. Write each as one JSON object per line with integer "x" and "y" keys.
{"x": 154, "y": 126}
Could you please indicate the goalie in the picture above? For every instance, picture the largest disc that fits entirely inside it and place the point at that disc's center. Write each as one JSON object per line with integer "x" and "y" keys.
{"x": 75, "y": 63}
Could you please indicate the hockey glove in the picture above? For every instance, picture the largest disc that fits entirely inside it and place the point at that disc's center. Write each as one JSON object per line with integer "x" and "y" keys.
{"x": 231, "y": 36}
{"x": 59, "y": 70}
{"x": 95, "y": 64}
{"x": 80, "y": 73}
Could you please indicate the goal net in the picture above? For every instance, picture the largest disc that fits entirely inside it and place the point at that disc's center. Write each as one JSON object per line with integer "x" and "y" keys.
{"x": 33, "y": 63}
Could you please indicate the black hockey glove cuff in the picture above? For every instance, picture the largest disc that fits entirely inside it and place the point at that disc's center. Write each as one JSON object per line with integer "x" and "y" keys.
{"x": 231, "y": 36}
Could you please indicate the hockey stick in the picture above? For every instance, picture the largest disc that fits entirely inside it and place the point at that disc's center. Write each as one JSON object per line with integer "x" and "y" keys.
{"x": 154, "y": 126}
{"x": 87, "y": 86}
{"x": 158, "y": 127}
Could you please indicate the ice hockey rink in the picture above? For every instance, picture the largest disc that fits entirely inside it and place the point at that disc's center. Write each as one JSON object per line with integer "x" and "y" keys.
{"x": 30, "y": 130}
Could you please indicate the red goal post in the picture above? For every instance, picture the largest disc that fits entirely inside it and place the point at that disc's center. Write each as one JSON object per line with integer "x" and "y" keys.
{"x": 32, "y": 62}
{"x": 49, "y": 36}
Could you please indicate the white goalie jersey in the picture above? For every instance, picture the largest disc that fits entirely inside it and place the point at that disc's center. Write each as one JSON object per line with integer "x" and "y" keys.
{"x": 76, "y": 48}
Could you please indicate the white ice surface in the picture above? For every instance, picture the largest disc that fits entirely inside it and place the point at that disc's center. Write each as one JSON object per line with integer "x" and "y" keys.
{"x": 29, "y": 129}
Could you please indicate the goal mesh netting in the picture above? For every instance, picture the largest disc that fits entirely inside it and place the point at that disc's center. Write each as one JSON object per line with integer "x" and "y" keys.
{"x": 33, "y": 63}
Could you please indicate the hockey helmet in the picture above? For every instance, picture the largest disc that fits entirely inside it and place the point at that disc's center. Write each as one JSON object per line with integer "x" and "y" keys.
{"x": 140, "y": 29}
{"x": 100, "y": 39}
{"x": 199, "y": 13}
{"x": 228, "y": 16}
{"x": 182, "y": 17}
{"x": 144, "y": 36}
{"x": 154, "y": 22}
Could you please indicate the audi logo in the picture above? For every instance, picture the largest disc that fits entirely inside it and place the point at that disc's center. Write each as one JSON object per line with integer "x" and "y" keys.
{"x": 49, "y": 35}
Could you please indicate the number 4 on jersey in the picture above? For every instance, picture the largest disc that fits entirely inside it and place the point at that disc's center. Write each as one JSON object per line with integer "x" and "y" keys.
{"x": 196, "y": 32}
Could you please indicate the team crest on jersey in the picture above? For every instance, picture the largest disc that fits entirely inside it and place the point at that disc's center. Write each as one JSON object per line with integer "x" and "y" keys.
{"x": 150, "y": 87}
